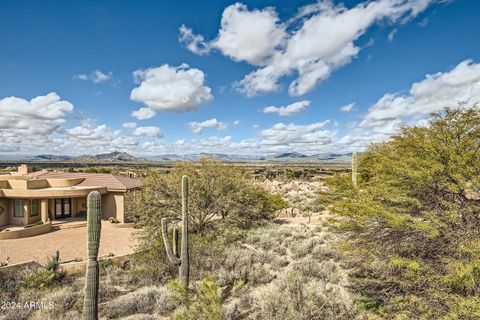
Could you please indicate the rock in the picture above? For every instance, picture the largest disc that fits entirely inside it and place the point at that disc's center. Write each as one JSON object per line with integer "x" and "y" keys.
{"x": 288, "y": 213}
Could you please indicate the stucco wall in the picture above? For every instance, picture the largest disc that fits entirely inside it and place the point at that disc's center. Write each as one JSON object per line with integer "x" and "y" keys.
{"x": 112, "y": 205}
{"x": 82, "y": 206}
{"x": 119, "y": 202}
{"x": 109, "y": 209}
{"x": 4, "y": 203}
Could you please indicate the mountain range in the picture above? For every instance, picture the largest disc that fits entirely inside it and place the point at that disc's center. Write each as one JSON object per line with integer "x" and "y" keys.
{"x": 118, "y": 156}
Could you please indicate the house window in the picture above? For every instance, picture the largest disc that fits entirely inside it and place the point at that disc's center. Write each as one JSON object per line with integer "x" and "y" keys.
{"x": 33, "y": 208}
{"x": 19, "y": 211}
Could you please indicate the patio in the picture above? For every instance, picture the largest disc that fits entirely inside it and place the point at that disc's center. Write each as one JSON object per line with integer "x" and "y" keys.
{"x": 69, "y": 237}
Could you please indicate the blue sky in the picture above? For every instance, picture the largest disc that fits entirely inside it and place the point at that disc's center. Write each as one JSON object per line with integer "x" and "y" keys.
{"x": 251, "y": 77}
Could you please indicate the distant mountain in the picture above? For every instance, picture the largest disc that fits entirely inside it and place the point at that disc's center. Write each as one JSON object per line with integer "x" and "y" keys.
{"x": 289, "y": 155}
{"x": 196, "y": 156}
{"x": 125, "y": 157}
{"x": 51, "y": 157}
{"x": 334, "y": 156}
{"x": 107, "y": 157}
{"x": 104, "y": 157}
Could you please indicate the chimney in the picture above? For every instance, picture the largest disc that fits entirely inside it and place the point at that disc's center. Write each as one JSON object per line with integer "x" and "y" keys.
{"x": 24, "y": 169}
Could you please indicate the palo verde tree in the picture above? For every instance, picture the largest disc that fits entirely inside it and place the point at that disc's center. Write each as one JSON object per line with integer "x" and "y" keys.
{"x": 414, "y": 219}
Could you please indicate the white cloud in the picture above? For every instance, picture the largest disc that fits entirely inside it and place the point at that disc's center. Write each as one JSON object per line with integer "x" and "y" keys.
{"x": 167, "y": 88}
{"x": 28, "y": 124}
{"x": 197, "y": 127}
{"x": 436, "y": 91}
{"x": 317, "y": 41}
{"x": 143, "y": 113}
{"x": 39, "y": 116}
{"x": 347, "y": 108}
{"x": 82, "y": 77}
{"x": 95, "y": 76}
{"x": 194, "y": 43}
{"x": 290, "y": 110}
{"x": 236, "y": 122}
{"x": 290, "y": 135}
{"x": 129, "y": 125}
{"x": 91, "y": 138}
{"x": 153, "y": 132}
{"x": 391, "y": 35}
{"x": 244, "y": 35}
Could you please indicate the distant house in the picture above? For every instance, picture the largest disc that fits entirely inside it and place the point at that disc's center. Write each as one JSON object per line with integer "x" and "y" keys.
{"x": 27, "y": 197}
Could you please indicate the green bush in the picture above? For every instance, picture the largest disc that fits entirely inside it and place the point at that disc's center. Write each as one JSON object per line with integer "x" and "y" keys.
{"x": 39, "y": 279}
{"x": 414, "y": 219}
{"x": 216, "y": 189}
{"x": 204, "y": 303}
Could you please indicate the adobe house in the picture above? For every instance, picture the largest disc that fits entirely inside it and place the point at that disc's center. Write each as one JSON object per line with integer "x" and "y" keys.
{"x": 27, "y": 197}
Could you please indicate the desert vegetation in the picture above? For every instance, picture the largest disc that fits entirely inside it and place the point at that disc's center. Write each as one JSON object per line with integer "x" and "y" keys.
{"x": 398, "y": 241}
{"x": 413, "y": 221}
{"x": 242, "y": 264}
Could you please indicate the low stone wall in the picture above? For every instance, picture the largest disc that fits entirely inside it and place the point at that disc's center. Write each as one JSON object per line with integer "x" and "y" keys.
{"x": 19, "y": 266}
{"x": 80, "y": 267}
{"x": 123, "y": 225}
{"x": 72, "y": 267}
{"x": 26, "y": 232}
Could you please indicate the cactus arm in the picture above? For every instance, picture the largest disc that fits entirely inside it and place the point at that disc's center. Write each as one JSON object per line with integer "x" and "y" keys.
{"x": 175, "y": 241}
{"x": 94, "y": 223}
{"x": 171, "y": 257}
{"x": 184, "y": 269}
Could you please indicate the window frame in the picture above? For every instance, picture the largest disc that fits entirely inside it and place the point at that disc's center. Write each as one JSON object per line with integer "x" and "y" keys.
{"x": 33, "y": 203}
{"x": 17, "y": 206}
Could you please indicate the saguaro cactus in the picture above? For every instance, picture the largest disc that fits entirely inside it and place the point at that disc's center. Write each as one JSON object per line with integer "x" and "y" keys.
{"x": 354, "y": 168}
{"x": 94, "y": 224}
{"x": 182, "y": 259}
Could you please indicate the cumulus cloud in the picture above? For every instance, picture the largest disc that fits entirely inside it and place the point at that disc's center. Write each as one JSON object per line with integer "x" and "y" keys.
{"x": 197, "y": 127}
{"x": 89, "y": 137}
{"x": 436, "y": 91}
{"x": 291, "y": 135}
{"x": 153, "y": 132}
{"x": 28, "y": 124}
{"x": 194, "y": 43}
{"x": 129, "y": 125}
{"x": 318, "y": 40}
{"x": 39, "y": 116}
{"x": 454, "y": 88}
{"x": 347, "y": 108}
{"x": 143, "y": 113}
{"x": 95, "y": 76}
{"x": 244, "y": 35}
{"x": 289, "y": 110}
{"x": 168, "y": 88}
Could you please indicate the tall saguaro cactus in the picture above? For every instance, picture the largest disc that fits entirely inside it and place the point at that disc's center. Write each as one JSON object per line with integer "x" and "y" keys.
{"x": 182, "y": 259}
{"x": 94, "y": 225}
{"x": 354, "y": 168}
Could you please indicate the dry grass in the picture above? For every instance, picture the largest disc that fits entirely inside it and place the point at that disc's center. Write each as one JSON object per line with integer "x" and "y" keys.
{"x": 276, "y": 272}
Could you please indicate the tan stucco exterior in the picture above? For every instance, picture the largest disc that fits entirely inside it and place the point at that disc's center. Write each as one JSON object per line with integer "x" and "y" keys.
{"x": 56, "y": 197}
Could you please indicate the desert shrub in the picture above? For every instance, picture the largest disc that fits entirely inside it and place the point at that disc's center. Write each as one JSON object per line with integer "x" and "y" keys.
{"x": 67, "y": 305}
{"x": 204, "y": 303}
{"x": 295, "y": 296}
{"x": 414, "y": 219}
{"x": 40, "y": 278}
{"x": 143, "y": 300}
{"x": 216, "y": 189}
{"x": 16, "y": 314}
{"x": 150, "y": 264}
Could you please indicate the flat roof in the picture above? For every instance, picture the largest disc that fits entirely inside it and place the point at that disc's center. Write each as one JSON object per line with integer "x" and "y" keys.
{"x": 110, "y": 181}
